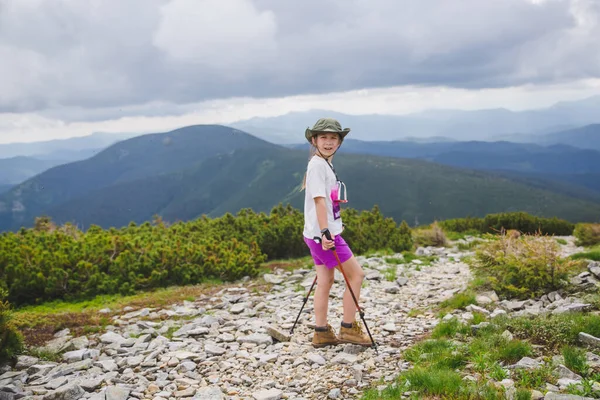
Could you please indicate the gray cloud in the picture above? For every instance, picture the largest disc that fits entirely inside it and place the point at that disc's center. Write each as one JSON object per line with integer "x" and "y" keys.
{"x": 86, "y": 60}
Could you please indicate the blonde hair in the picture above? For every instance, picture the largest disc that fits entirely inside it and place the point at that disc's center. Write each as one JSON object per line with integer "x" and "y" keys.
{"x": 312, "y": 153}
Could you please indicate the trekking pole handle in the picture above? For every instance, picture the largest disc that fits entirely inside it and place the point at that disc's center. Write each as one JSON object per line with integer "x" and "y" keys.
{"x": 328, "y": 236}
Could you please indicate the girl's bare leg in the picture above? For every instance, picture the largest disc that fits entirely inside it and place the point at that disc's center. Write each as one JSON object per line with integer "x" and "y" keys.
{"x": 321, "y": 300}
{"x": 355, "y": 275}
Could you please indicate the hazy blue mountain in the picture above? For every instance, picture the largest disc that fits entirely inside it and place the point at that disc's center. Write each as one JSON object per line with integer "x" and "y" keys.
{"x": 94, "y": 141}
{"x": 70, "y": 155}
{"x": 20, "y": 168}
{"x": 4, "y": 187}
{"x": 453, "y": 124}
{"x": 585, "y": 137}
{"x": 17, "y": 169}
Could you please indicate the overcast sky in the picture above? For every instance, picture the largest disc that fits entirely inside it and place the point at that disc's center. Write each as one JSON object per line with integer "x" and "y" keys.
{"x": 72, "y": 67}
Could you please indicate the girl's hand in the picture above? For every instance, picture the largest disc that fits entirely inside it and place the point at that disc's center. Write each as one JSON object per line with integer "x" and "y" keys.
{"x": 326, "y": 243}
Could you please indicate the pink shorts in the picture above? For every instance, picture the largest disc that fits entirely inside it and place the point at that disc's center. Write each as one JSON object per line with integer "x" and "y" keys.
{"x": 326, "y": 257}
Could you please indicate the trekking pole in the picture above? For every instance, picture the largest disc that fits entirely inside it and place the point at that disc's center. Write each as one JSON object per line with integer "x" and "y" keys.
{"x": 303, "y": 304}
{"x": 360, "y": 311}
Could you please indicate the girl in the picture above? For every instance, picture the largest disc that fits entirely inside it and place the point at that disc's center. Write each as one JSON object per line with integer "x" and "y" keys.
{"x": 321, "y": 216}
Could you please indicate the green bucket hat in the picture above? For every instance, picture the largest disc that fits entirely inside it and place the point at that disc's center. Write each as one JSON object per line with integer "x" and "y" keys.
{"x": 325, "y": 125}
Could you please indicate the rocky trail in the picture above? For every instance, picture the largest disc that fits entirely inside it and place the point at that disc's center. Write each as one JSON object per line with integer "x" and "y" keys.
{"x": 235, "y": 344}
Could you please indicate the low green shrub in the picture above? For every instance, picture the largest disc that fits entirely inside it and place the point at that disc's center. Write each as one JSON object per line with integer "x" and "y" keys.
{"x": 587, "y": 234}
{"x": 523, "y": 267}
{"x": 520, "y": 221}
{"x": 370, "y": 231}
{"x": 51, "y": 262}
{"x": 431, "y": 236}
{"x": 11, "y": 340}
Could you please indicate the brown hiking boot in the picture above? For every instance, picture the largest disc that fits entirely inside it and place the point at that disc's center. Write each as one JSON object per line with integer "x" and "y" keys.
{"x": 327, "y": 338}
{"x": 354, "y": 335}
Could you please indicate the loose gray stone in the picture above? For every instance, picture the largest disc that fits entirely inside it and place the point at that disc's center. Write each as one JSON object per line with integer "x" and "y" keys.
{"x": 271, "y": 394}
{"x": 315, "y": 358}
{"x": 274, "y": 279}
{"x": 402, "y": 281}
{"x": 556, "y": 396}
{"x": 111, "y": 337}
{"x": 589, "y": 339}
{"x": 116, "y": 393}
{"x": 497, "y": 312}
{"x": 214, "y": 350}
{"x": 69, "y": 392}
{"x": 374, "y": 275}
{"x": 238, "y": 308}
{"x": 24, "y": 362}
{"x": 208, "y": 393}
{"x": 278, "y": 334}
{"x": 564, "y": 372}
{"x": 536, "y": 395}
{"x": 526, "y": 363}
{"x": 256, "y": 338}
{"x": 483, "y": 300}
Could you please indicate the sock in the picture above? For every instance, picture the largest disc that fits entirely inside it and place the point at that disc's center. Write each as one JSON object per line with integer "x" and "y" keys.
{"x": 321, "y": 328}
{"x": 346, "y": 324}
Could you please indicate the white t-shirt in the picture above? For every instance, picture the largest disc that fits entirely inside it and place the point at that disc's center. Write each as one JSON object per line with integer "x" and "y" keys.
{"x": 320, "y": 182}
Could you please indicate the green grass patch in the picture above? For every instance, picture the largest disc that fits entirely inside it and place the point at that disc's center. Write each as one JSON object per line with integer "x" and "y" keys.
{"x": 169, "y": 333}
{"x": 458, "y": 301}
{"x": 286, "y": 265}
{"x": 437, "y": 353}
{"x": 461, "y": 235}
{"x": 44, "y": 354}
{"x": 395, "y": 260}
{"x": 514, "y": 350}
{"x": 378, "y": 253}
{"x": 449, "y": 329}
{"x": 390, "y": 274}
{"x": 553, "y": 331}
{"x": 437, "y": 382}
{"x": 586, "y": 390}
{"x": 576, "y": 360}
{"x": 561, "y": 241}
{"x": 156, "y": 298}
{"x": 408, "y": 257}
{"x": 535, "y": 378}
{"x": 523, "y": 394}
{"x": 591, "y": 254}
{"x": 392, "y": 392}
{"x": 415, "y": 312}
{"x": 469, "y": 245}
{"x": 455, "y": 350}
{"x": 38, "y": 323}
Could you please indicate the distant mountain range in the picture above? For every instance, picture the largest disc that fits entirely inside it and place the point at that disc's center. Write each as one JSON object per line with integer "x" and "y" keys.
{"x": 212, "y": 169}
{"x": 4, "y": 188}
{"x": 21, "y": 161}
{"x": 58, "y": 148}
{"x": 481, "y": 125}
{"x": 17, "y": 169}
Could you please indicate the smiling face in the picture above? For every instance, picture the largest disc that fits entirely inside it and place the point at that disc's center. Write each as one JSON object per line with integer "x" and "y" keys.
{"x": 326, "y": 143}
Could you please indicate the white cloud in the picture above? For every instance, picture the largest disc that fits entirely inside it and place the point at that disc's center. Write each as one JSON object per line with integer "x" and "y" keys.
{"x": 221, "y": 35}
{"x": 74, "y": 61}
{"x": 396, "y": 100}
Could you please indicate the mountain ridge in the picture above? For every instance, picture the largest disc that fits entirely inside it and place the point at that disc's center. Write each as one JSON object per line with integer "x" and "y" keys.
{"x": 212, "y": 169}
